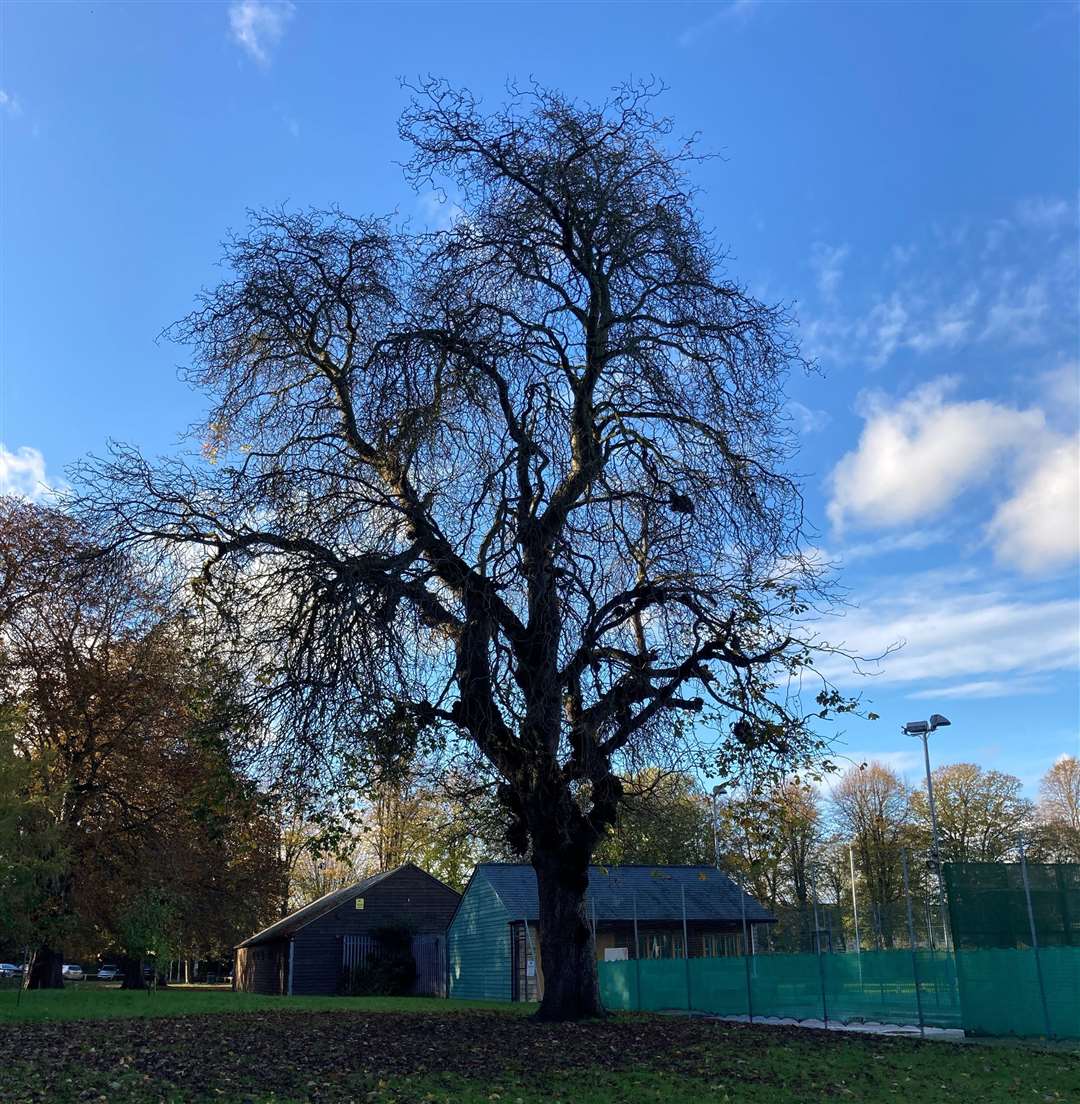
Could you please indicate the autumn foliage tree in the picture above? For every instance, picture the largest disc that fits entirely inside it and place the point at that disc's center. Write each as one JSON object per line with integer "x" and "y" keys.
{"x": 525, "y": 477}
{"x": 122, "y": 735}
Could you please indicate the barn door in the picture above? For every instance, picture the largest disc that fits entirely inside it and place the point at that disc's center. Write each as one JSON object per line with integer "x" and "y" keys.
{"x": 429, "y": 954}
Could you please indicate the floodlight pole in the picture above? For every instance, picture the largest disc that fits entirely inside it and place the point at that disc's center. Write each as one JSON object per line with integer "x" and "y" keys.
{"x": 923, "y": 730}
{"x": 715, "y": 829}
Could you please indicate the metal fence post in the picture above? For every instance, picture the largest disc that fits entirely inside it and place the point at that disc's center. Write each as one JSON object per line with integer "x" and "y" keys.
{"x": 746, "y": 957}
{"x": 854, "y": 901}
{"x": 1034, "y": 939}
{"x": 686, "y": 953}
{"x": 637, "y": 954}
{"x": 911, "y": 938}
{"x": 820, "y": 958}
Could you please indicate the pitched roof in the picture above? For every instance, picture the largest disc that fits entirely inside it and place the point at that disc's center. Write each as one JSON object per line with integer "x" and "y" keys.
{"x": 655, "y": 890}
{"x": 327, "y": 903}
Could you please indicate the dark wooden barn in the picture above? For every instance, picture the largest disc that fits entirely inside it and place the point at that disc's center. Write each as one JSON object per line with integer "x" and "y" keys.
{"x": 309, "y": 952}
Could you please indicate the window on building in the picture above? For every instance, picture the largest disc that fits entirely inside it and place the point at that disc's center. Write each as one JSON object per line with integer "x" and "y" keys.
{"x": 721, "y": 944}
{"x": 661, "y": 944}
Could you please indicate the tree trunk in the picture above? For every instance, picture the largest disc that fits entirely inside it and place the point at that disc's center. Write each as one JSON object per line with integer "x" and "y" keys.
{"x": 46, "y": 969}
{"x": 567, "y": 953}
{"x": 132, "y": 970}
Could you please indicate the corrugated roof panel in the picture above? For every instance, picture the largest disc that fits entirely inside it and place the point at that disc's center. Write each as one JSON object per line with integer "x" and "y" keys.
{"x": 710, "y": 895}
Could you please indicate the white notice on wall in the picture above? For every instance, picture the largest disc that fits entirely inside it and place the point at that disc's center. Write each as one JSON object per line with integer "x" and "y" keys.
{"x": 616, "y": 954}
{"x": 530, "y": 967}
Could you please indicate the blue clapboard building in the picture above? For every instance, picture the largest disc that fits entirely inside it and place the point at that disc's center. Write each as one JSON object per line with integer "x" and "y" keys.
{"x": 493, "y": 943}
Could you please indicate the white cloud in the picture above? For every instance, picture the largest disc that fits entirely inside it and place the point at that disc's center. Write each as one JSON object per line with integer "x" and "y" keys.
{"x": 1043, "y": 213}
{"x": 22, "y": 473}
{"x": 258, "y": 25}
{"x": 736, "y": 11}
{"x": 828, "y": 262}
{"x": 952, "y": 633}
{"x": 1010, "y": 282}
{"x": 438, "y": 211}
{"x": 1018, "y": 314}
{"x": 9, "y": 103}
{"x": 918, "y": 455}
{"x": 1038, "y": 529}
{"x": 915, "y": 456}
{"x": 981, "y": 688}
{"x": 807, "y": 420}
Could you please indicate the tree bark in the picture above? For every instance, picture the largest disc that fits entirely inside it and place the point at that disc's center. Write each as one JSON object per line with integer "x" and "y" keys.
{"x": 46, "y": 969}
{"x": 567, "y": 953}
{"x": 132, "y": 970}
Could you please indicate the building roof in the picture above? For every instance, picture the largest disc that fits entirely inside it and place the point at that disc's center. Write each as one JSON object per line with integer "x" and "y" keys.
{"x": 292, "y": 923}
{"x": 655, "y": 891}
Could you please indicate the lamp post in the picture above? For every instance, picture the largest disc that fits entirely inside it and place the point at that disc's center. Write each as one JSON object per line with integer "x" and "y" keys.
{"x": 716, "y": 791}
{"x": 922, "y": 730}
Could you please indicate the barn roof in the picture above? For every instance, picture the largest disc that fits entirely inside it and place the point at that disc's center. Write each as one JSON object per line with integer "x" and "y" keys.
{"x": 327, "y": 903}
{"x": 657, "y": 891}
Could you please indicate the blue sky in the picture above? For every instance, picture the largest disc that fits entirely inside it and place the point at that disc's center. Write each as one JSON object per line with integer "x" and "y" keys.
{"x": 905, "y": 174}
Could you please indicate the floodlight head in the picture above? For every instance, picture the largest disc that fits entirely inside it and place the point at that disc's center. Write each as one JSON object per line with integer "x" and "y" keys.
{"x": 938, "y": 721}
{"x": 916, "y": 728}
{"x": 717, "y": 790}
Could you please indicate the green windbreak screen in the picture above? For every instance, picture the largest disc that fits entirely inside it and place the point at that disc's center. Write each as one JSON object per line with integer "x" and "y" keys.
{"x": 988, "y": 907}
{"x": 872, "y": 986}
{"x": 986, "y": 992}
{"x": 1000, "y": 993}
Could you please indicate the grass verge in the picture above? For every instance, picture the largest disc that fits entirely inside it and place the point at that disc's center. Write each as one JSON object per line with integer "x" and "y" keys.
{"x": 98, "y": 1002}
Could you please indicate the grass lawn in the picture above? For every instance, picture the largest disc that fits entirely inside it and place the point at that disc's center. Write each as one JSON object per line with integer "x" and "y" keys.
{"x": 91, "y": 1001}
{"x": 372, "y": 1051}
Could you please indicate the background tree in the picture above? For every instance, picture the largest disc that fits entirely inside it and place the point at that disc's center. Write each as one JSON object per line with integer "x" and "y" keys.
{"x": 1059, "y": 810}
{"x": 525, "y": 477}
{"x": 980, "y": 813}
{"x": 32, "y": 858}
{"x": 871, "y": 805}
{"x": 126, "y": 736}
{"x": 665, "y": 819}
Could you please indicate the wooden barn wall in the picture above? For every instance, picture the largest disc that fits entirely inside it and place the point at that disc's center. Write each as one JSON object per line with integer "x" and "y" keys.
{"x": 408, "y": 897}
{"x": 262, "y": 968}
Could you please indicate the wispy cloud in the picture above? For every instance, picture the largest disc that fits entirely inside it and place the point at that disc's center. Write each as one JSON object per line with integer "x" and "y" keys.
{"x": 22, "y": 473}
{"x": 982, "y": 688}
{"x": 1011, "y": 282}
{"x": 807, "y": 420}
{"x": 954, "y": 630}
{"x": 828, "y": 262}
{"x": 9, "y": 103}
{"x": 437, "y": 211}
{"x": 736, "y": 11}
{"x": 258, "y": 25}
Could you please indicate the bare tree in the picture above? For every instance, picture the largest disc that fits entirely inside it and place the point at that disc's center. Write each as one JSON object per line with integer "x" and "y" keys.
{"x": 872, "y": 808}
{"x": 524, "y": 477}
{"x": 1059, "y": 809}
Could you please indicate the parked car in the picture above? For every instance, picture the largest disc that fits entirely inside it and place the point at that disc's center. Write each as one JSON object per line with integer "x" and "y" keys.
{"x": 10, "y": 970}
{"x": 73, "y": 972}
{"x": 108, "y": 972}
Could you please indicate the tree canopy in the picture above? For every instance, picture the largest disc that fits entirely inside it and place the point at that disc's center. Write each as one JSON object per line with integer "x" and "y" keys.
{"x": 525, "y": 478}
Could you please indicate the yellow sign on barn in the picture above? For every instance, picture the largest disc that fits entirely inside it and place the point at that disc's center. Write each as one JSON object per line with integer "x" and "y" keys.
{"x": 359, "y": 902}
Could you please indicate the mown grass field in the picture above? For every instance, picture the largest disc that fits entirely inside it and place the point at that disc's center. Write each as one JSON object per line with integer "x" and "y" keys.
{"x": 93, "y": 1001}
{"x": 195, "y": 1047}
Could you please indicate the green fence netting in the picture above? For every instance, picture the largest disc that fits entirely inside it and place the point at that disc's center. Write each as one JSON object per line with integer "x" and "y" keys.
{"x": 874, "y": 986}
{"x": 988, "y": 907}
{"x": 986, "y": 992}
{"x": 1000, "y": 992}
